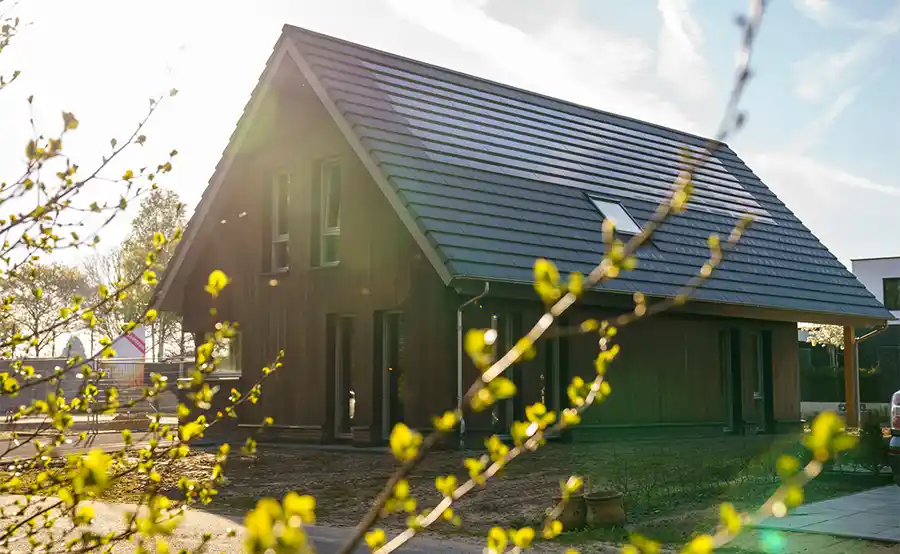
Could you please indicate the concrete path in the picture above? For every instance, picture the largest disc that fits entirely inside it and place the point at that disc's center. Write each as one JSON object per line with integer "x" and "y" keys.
{"x": 871, "y": 515}
{"x": 770, "y": 541}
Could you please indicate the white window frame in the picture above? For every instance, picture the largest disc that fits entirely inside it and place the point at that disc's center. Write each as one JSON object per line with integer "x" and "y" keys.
{"x": 230, "y": 361}
{"x": 280, "y": 238}
{"x": 324, "y": 192}
{"x": 614, "y": 210}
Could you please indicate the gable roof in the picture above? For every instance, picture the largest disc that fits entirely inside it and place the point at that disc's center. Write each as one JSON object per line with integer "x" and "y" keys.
{"x": 488, "y": 178}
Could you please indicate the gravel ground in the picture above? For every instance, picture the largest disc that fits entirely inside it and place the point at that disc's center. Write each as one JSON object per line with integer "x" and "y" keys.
{"x": 110, "y": 516}
{"x": 666, "y": 500}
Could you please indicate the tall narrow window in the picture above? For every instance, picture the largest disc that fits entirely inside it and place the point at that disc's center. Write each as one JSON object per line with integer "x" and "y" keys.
{"x": 732, "y": 380}
{"x": 727, "y": 378}
{"x": 330, "y": 218}
{"x": 392, "y": 363}
{"x": 345, "y": 396}
{"x": 508, "y": 327}
{"x": 550, "y": 377}
{"x": 500, "y": 410}
{"x": 891, "y": 292}
{"x": 280, "y": 219}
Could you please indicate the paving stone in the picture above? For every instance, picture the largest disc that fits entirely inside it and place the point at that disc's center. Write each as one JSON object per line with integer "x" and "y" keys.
{"x": 871, "y": 515}
{"x": 884, "y": 518}
{"x": 785, "y": 542}
{"x": 796, "y": 521}
{"x": 892, "y": 534}
{"x": 841, "y": 528}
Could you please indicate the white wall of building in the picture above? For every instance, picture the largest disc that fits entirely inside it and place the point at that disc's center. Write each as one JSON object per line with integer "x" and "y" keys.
{"x": 871, "y": 272}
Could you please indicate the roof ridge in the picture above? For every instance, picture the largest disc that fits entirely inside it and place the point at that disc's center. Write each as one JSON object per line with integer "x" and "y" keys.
{"x": 457, "y": 255}
{"x": 502, "y": 86}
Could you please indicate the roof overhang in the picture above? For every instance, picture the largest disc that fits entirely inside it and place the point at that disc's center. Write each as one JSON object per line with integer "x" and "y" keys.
{"x": 470, "y": 286}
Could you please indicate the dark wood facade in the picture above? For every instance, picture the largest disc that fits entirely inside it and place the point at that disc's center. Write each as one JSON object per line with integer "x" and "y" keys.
{"x": 332, "y": 322}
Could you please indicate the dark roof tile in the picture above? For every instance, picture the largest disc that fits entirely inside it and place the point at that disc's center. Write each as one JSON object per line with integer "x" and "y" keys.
{"x": 497, "y": 176}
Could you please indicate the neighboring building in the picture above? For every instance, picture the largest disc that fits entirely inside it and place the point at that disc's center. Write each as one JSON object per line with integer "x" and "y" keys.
{"x": 821, "y": 368}
{"x": 364, "y": 197}
{"x": 881, "y": 276}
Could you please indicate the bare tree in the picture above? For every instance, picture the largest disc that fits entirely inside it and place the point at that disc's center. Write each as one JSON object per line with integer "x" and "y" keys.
{"x": 42, "y": 291}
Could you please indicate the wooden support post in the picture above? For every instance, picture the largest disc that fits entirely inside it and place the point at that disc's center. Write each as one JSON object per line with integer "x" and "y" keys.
{"x": 851, "y": 378}
{"x": 768, "y": 382}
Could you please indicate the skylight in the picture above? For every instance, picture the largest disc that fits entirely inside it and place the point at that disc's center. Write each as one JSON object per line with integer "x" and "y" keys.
{"x": 616, "y": 212}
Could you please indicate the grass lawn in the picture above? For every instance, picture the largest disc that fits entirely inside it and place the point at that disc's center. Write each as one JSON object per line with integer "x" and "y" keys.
{"x": 672, "y": 488}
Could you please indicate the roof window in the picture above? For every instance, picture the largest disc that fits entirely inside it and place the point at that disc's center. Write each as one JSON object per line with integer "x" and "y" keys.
{"x": 616, "y": 212}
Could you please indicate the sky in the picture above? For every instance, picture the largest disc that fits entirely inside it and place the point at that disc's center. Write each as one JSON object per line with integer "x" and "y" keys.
{"x": 821, "y": 129}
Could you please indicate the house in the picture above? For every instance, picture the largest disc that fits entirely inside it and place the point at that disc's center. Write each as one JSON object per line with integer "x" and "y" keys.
{"x": 881, "y": 276}
{"x": 365, "y": 198}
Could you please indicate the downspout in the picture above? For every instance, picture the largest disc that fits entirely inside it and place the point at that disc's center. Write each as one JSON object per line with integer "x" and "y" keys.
{"x": 459, "y": 361}
{"x": 880, "y": 329}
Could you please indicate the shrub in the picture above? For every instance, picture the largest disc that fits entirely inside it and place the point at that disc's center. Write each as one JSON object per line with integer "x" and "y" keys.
{"x": 872, "y": 450}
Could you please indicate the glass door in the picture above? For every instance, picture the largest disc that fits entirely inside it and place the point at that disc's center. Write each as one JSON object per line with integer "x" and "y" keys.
{"x": 345, "y": 397}
{"x": 393, "y": 367}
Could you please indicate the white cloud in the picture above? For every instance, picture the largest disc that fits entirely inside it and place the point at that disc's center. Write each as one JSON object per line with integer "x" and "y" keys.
{"x": 828, "y": 14}
{"x": 824, "y": 72}
{"x": 852, "y": 214}
{"x": 830, "y": 183}
{"x": 571, "y": 59}
{"x": 822, "y": 12}
{"x": 680, "y": 61}
{"x": 567, "y": 58}
{"x": 825, "y": 197}
{"x": 813, "y": 132}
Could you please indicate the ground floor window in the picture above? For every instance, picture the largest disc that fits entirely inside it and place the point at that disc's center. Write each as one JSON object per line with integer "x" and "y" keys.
{"x": 228, "y": 354}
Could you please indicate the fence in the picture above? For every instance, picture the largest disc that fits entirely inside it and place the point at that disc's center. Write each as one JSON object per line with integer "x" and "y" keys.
{"x": 130, "y": 376}
{"x": 822, "y": 373}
